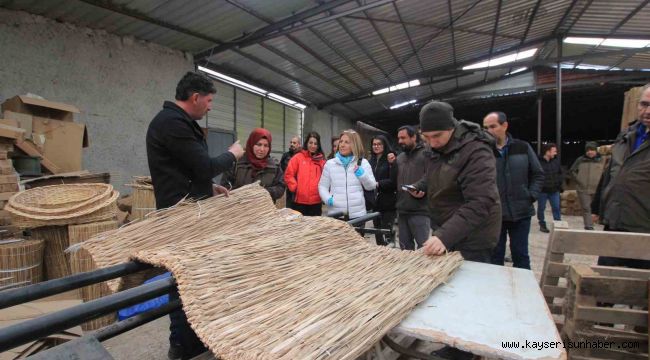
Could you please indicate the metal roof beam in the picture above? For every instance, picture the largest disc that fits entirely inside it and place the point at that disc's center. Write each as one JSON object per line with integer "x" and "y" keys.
{"x": 363, "y": 48}
{"x": 494, "y": 33}
{"x": 274, "y": 30}
{"x": 431, "y": 26}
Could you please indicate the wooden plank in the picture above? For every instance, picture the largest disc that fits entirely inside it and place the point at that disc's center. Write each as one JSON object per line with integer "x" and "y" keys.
{"x": 557, "y": 269}
{"x": 611, "y": 315}
{"x": 554, "y": 291}
{"x": 602, "y": 243}
{"x": 615, "y": 290}
{"x": 622, "y": 272}
{"x": 555, "y": 309}
{"x": 551, "y": 256}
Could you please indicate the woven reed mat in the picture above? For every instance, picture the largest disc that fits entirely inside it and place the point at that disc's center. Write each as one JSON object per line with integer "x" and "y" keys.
{"x": 256, "y": 285}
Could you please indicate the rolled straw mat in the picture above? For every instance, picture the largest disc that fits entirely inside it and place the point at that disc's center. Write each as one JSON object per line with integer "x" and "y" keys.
{"x": 257, "y": 285}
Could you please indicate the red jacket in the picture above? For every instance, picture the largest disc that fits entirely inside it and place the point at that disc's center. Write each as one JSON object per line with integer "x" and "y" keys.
{"x": 302, "y": 176}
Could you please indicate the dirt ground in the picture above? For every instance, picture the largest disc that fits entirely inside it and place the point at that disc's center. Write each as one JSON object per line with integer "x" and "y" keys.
{"x": 149, "y": 342}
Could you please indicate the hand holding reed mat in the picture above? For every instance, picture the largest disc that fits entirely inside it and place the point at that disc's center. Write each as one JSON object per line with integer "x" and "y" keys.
{"x": 259, "y": 286}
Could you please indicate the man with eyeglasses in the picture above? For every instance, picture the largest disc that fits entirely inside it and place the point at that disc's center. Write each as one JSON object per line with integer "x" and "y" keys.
{"x": 623, "y": 196}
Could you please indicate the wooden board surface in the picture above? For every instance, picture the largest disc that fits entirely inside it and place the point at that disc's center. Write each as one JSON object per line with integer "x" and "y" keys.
{"x": 483, "y": 305}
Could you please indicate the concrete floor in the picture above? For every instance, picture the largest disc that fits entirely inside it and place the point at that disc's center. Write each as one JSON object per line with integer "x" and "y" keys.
{"x": 149, "y": 342}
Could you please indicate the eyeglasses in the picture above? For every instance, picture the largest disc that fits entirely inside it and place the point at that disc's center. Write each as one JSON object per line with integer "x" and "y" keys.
{"x": 644, "y": 104}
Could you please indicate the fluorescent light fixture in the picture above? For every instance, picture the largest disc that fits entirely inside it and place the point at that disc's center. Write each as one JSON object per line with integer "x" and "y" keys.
{"x": 404, "y": 85}
{"x": 252, "y": 88}
{"x": 611, "y": 42}
{"x": 233, "y": 81}
{"x": 626, "y": 43}
{"x": 402, "y": 104}
{"x": 502, "y": 59}
{"x": 380, "y": 91}
{"x": 583, "y": 40}
{"x": 281, "y": 99}
{"x": 517, "y": 70}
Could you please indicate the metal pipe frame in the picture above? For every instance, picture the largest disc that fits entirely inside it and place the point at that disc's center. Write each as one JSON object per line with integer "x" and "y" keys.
{"x": 52, "y": 287}
{"x": 26, "y": 331}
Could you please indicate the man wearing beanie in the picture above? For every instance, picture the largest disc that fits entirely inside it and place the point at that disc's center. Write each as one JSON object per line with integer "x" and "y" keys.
{"x": 460, "y": 185}
{"x": 586, "y": 172}
{"x": 461, "y": 190}
{"x": 520, "y": 178}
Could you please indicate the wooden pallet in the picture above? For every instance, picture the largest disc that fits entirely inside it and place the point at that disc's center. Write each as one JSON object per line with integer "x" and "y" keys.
{"x": 564, "y": 241}
{"x": 589, "y": 315}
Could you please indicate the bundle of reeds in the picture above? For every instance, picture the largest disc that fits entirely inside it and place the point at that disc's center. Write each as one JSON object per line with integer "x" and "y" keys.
{"x": 80, "y": 261}
{"x": 56, "y": 241}
{"x": 21, "y": 262}
{"x": 255, "y": 284}
{"x": 144, "y": 201}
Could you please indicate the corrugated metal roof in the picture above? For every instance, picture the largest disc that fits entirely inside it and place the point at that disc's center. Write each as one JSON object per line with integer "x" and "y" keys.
{"x": 339, "y": 60}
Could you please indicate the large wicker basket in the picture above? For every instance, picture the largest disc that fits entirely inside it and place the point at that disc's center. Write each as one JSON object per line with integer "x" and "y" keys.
{"x": 60, "y": 199}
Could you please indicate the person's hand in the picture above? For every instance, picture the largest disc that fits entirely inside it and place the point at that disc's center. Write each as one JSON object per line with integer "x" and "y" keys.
{"x": 417, "y": 194}
{"x": 358, "y": 171}
{"x": 218, "y": 190}
{"x": 390, "y": 158}
{"x": 236, "y": 150}
{"x": 595, "y": 219}
{"x": 434, "y": 246}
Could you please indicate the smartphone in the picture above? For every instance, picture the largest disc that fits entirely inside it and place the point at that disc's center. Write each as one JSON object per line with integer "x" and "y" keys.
{"x": 409, "y": 187}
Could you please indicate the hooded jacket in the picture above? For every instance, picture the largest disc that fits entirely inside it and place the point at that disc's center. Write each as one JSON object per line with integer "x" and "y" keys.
{"x": 339, "y": 181}
{"x": 461, "y": 190}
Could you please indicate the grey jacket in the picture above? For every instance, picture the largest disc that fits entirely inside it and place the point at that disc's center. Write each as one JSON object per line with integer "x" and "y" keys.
{"x": 520, "y": 178}
{"x": 408, "y": 169}
{"x": 625, "y": 200}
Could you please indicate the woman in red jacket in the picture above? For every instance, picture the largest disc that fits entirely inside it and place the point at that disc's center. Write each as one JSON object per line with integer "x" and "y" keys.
{"x": 302, "y": 176}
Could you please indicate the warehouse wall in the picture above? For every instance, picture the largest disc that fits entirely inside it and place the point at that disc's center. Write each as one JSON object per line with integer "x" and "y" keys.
{"x": 118, "y": 83}
{"x": 326, "y": 125}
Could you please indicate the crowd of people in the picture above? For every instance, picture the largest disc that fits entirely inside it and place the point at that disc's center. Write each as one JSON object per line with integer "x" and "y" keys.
{"x": 452, "y": 185}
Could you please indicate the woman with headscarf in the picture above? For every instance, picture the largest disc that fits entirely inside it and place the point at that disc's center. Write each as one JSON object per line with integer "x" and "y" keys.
{"x": 346, "y": 176}
{"x": 302, "y": 176}
{"x": 386, "y": 197}
{"x": 256, "y": 165}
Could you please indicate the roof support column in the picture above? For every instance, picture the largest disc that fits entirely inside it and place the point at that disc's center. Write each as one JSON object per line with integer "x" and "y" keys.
{"x": 539, "y": 123}
{"x": 558, "y": 111}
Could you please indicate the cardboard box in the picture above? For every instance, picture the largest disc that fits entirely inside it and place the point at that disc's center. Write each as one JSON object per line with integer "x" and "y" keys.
{"x": 6, "y": 167}
{"x": 61, "y": 142}
{"x": 24, "y": 121}
{"x": 8, "y": 179}
{"x": 11, "y": 132}
{"x": 42, "y": 108}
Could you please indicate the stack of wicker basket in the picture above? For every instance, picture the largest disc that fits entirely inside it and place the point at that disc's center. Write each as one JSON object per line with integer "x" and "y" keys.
{"x": 21, "y": 262}
{"x": 144, "y": 200}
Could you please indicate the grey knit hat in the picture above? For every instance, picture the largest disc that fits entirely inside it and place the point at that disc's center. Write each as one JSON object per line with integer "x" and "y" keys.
{"x": 591, "y": 145}
{"x": 436, "y": 116}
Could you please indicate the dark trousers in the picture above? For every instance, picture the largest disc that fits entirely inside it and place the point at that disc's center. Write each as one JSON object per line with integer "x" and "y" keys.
{"x": 308, "y": 210}
{"x": 181, "y": 334}
{"x": 518, "y": 231}
{"x": 385, "y": 221}
{"x": 289, "y": 199}
{"x": 413, "y": 229}
{"x": 554, "y": 200}
{"x": 615, "y": 261}
{"x": 482, "y": 256}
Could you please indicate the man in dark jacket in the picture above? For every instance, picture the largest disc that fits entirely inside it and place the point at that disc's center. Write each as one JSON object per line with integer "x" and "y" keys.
{"x": 460, "y": 185}
{"x": 552, "y": 186}
{"x": 407, "y": 169}
{"x": 519, "y": 178}
{"x": 625, "y": 184}
{"x": 586, "y": 172}
{"x": 180, "y": 167}
{"x": 384, "y": 198}
{"x": 294, "y": 148}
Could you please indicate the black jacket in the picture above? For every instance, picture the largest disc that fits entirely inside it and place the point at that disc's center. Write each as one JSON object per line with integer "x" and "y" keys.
{"x": 520, "y": 178}
{"x": 461, "y": 190}
{"x": 178, "y": 158}
{"x": 386, "y": 196}
{"x": 553, "y": 176}
{"x": 284, "y": 161}
{"x": 408, "y": 169}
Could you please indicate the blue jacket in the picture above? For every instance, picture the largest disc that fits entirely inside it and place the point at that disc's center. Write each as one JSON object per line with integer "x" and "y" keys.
{"x": 519, "y": 178}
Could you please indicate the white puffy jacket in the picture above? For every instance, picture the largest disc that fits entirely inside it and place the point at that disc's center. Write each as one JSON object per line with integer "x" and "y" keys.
{"x": 346, "y": 188}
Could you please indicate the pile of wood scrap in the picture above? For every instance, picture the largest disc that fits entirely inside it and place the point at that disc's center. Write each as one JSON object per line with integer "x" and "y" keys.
{"x": 570, "y": 204}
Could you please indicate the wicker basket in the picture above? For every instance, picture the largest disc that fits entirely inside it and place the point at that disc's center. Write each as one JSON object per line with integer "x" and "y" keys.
{"x": 60, "y": 199}
{"x": 56, "y": 241}
{"x": 81, "y": 261}
{"x": 21, "y": 262}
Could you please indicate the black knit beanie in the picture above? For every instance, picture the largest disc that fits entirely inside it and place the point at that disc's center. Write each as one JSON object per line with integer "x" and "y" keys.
{"x": 437, "y": 116}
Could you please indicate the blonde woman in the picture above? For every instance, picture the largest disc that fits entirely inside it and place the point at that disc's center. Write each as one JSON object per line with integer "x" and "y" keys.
{"x": 346, "y": 176}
